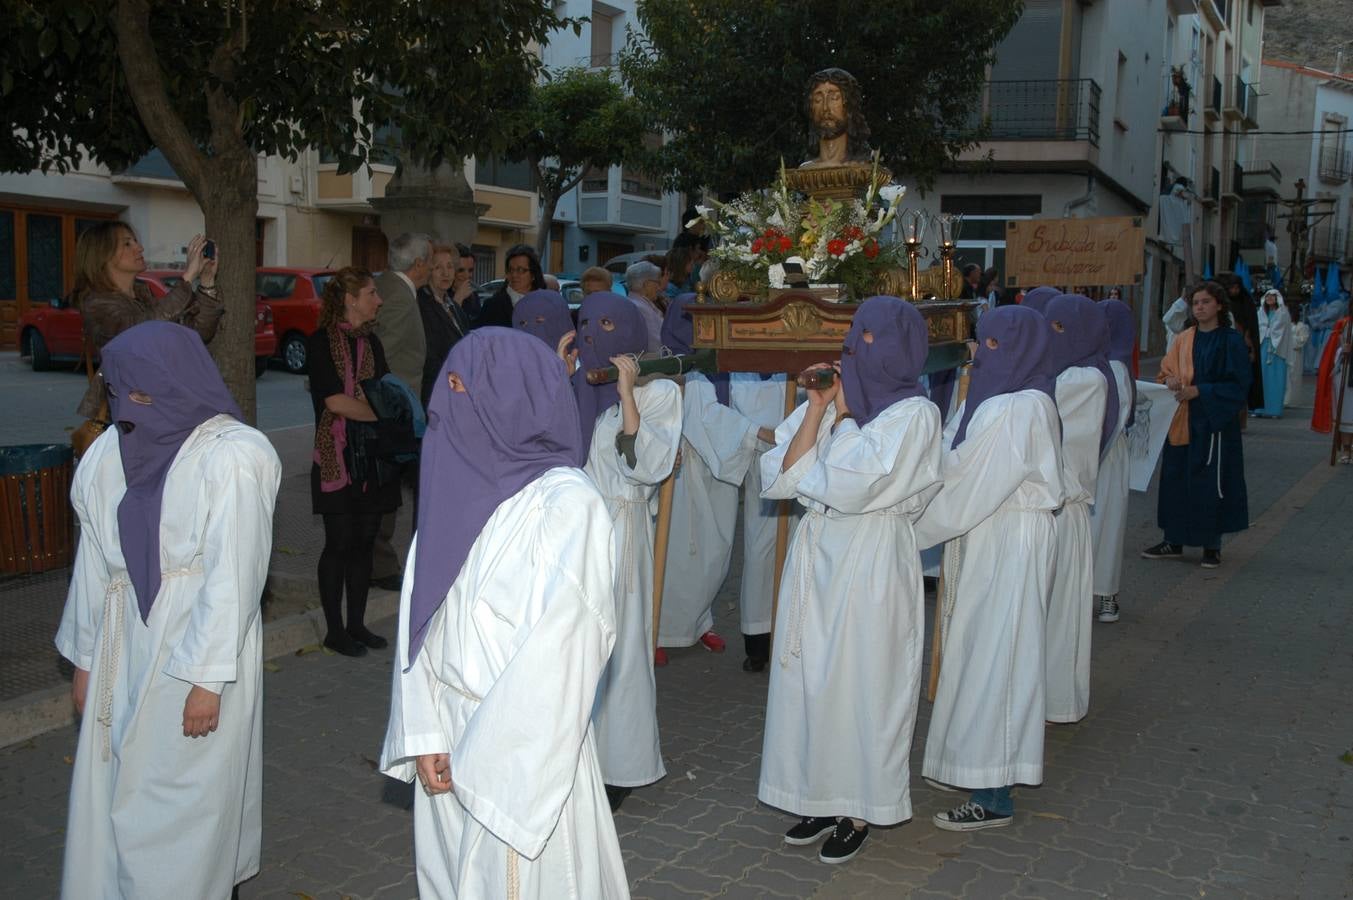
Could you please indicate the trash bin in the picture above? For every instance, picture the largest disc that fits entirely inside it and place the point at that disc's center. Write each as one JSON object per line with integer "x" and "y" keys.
{"x": 36, "y": 519}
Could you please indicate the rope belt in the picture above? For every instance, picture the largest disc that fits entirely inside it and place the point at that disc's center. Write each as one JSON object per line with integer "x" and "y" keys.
{"x": 114, "y": 597}
{"x": 805, "y": 538}
{"x": 627, "y": 553}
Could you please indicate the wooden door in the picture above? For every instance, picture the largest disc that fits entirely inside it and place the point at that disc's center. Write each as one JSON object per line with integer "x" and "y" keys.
{"x": 370, "y": 248}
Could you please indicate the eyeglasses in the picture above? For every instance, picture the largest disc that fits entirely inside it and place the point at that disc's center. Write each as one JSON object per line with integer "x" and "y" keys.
{"x": 519, "y": 270}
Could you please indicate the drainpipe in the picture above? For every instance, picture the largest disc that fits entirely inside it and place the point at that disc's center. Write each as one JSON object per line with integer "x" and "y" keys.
{"x": 1082, "y": 199}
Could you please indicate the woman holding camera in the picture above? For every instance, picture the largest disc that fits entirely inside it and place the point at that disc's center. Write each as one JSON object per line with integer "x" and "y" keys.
{"x": 342, "y": 355}
{"x": 108, "y": 257}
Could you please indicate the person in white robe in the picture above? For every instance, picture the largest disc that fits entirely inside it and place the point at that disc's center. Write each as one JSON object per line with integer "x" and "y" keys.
{"x": 506, "y": 622}
{"x": 863, "y": 457}
{"x": 1108, "y": 516}
{"x": 1301, "y": 335}
{"x": 162, "y": 624}
{"x": 1175, "y": 319}
{"x": 630, "y": 434}
{"x": 1002, "y": 484}
{"x": 761, "y": 398}
{"x": 718, "y": 445}
{"x": 1079, "y": 333}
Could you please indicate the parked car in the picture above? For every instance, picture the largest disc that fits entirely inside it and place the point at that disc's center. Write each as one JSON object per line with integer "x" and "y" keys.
{"x": 293, "y": 295}
{"x": 55, "y": 332}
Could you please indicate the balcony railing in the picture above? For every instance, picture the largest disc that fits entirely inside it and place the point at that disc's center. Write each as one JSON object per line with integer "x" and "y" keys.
{"x": 1335, "y": 164}
{"x": 1174, "y": 115}
{"x": 1213, "y": 109}
{"x": 1247, "y": 99}
{"x": 1045, "y": 110}
{"x": 599, "y": 60}
{"x": 1260, "y": 177}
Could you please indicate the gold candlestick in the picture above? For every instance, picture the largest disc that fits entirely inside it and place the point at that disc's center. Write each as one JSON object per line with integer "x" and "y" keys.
{"x": 913, "y": 223}
{"x": 949, "y": 224}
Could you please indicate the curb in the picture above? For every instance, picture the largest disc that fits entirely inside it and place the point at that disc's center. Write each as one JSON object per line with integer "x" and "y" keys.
{"x": 50, "y": 708}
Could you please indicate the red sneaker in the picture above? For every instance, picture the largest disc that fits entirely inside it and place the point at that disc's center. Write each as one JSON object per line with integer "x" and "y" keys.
{"x": 659, "y": 658}
{"x": 713, "y": 643}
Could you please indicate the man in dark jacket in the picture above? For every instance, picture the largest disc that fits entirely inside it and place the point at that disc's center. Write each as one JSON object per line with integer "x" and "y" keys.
{"x": 1245, "y": 315}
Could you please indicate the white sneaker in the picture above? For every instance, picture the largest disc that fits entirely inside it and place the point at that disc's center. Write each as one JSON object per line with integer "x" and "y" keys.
{"x": 1108, "y": 608}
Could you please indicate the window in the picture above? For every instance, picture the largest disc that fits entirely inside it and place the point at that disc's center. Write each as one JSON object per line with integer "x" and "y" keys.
{"x": 981, "y": 238}
{"x": 642, "y": 184}
{"x": 603, "y": 36}
{"x": 505, "y": 174}
{"x": 596, "y": 181}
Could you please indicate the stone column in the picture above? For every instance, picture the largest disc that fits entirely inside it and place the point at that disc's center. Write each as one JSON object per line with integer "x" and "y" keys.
{"x": 438, "y": 201}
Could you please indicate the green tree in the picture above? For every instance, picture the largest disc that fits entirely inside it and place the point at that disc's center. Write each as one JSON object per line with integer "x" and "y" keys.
{"x": 212, "y": 85}
{"x": 725, "y": 79}
{"x": 577, "y": 119}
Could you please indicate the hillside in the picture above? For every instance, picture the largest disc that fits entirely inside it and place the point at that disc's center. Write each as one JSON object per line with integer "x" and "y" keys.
{"x": 1310, "y": 32}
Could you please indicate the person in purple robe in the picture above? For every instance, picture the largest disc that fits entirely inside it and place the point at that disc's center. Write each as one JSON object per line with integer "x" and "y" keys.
{"x": 545, "y": 314}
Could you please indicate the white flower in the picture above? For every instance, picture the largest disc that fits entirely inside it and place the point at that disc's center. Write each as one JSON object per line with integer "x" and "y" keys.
{"x": 775, "y": 219}
{"x": 892, "y": 193}
{"x": 703, "y": 211}
{"x": 776, "y": 274}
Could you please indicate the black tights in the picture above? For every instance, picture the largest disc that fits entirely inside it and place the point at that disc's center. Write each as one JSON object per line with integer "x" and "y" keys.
{"x": 346, "y": 560}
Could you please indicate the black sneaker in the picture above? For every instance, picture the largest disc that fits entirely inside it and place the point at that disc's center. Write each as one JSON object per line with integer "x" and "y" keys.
{"x": 810, "y": 830}
{"x": 969, "y": 817}
{"x": 1211, "y": 558}
{"x": 1108, "y": 609}
{"x": 844, "y": 843}
{"x": 368, "y": 638}
{"x": 1163, "y": 550}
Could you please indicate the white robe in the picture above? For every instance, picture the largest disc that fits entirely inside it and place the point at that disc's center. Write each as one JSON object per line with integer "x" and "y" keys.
{"x": 1108, "y": 517}
{"x": 626, "y": 714}
{"x": 846, "y": 660}
{"x": 153, "y": 813}
{"x": 718, "y": 446}
{"x": 1301, "y": 335}
{"x": 1001, "y": 486}
{"x": 763, "y": 402}
{"x": 505, "y": 684}
{"x": 1082, "y": 395}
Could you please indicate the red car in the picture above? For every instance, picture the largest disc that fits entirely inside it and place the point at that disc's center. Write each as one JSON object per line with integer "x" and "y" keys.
{"x": 55, "y": 332}
{"x": 293, "y": 294}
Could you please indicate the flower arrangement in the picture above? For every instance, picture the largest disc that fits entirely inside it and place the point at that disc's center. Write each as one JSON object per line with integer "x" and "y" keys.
{"x": 834, "y": 242}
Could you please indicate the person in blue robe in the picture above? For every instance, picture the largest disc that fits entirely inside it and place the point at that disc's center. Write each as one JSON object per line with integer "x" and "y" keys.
{"x": 1202, "y": 481}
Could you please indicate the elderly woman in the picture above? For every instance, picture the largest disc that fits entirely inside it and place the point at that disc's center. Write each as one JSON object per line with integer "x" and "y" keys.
{"x": 643, "y": 281}
{"x": 108, "y": 257}
{"x": 342, "y": 355}
{"x": 1275, "y": 339}
{"x": 444, "y": 319}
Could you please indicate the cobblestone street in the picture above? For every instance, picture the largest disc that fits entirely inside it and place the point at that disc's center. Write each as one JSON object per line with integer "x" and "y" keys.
{"x": 1209, "y": 765}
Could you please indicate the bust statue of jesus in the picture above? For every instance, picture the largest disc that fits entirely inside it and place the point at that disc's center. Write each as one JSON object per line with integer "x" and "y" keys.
{"x": 837, "y": 127}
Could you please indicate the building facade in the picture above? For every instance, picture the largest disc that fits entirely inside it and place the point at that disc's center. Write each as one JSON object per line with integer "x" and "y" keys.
{"x": 1100, "y": 109}
{"x": 1304, "y": 99}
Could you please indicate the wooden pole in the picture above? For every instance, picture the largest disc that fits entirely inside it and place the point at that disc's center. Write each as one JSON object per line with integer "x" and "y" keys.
{"x": 660, "y": 538}
{"x": 937, "y": 627}
{"x": 782, "y": 517}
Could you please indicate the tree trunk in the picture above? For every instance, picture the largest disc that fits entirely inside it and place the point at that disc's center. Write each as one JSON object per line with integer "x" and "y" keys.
{"x": 549, "y": 200}
{"x": 230, "y": 203}
{"x": 225, "y": 184}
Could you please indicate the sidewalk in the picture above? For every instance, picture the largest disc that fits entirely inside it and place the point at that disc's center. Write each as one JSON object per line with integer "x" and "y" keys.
{"x": 33, "y": 676}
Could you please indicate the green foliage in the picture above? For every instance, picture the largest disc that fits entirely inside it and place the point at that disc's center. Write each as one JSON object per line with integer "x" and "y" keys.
{"x": 725, "y": 79}
{"x": 326, "y": 73}
{"x": 574, "y": 120}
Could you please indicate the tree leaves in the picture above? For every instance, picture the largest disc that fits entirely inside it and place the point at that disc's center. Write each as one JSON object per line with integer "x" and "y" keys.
{"x": 725, "y": 79}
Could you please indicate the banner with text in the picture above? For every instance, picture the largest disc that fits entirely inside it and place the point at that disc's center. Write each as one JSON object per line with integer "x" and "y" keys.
{"x": 1071, "y": 253}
